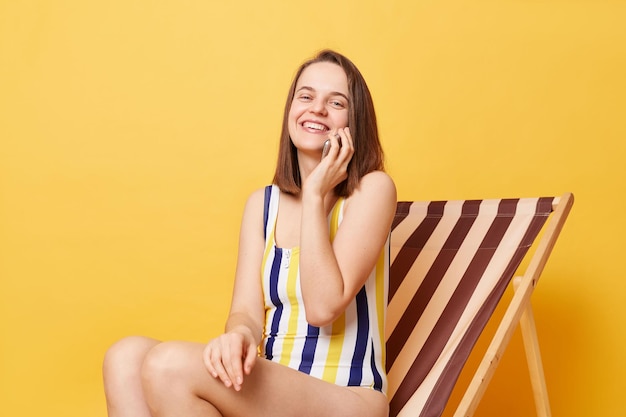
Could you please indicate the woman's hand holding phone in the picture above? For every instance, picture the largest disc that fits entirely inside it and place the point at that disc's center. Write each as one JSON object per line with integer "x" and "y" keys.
{"x": 337, "y": 152}
{"x": 328, "y": 144}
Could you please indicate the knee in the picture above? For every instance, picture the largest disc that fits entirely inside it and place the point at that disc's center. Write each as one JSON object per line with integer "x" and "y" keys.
{"x": 125, "y": 357}
{"x": 164, "y": 365}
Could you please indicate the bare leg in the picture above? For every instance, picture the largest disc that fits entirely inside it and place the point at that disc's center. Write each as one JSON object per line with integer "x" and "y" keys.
{"x": 122, "y": 377}
{"x": 176, "y": 383}
{"x": 166, "y": 381}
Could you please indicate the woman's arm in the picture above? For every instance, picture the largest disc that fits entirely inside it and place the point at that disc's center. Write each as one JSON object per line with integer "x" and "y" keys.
{"x": 233, "y": 354}
{"x": 332, "y": 274}
{"x": 247, "y": 300}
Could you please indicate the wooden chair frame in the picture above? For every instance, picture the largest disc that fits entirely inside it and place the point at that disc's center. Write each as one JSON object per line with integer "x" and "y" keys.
{"x": 520, "y": 311}
{"x": 409, "y": 396}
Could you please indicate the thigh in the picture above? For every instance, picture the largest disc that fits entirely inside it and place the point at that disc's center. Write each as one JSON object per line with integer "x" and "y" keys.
{"x": 271, "y": 390}
{"x": 286, "y": 392}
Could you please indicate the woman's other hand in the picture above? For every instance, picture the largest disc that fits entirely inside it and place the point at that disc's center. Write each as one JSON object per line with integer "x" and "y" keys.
{"x": 231, "y": 356}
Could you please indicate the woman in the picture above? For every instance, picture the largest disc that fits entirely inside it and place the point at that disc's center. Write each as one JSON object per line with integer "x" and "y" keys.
{"x": 319, "y": 237}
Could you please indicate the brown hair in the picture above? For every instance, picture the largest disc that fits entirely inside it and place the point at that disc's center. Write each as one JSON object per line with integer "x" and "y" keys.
{"x": 368, "y": 152}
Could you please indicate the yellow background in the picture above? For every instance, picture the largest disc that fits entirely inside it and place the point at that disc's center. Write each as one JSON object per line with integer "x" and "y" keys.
{"x": 132, "y": 131}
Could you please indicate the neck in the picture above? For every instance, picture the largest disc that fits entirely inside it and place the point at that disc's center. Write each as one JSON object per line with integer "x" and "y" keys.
{"x": 306, "y": 164}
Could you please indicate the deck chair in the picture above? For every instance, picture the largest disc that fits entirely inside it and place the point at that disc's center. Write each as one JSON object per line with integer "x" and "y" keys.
{"x": 451, "y": 262}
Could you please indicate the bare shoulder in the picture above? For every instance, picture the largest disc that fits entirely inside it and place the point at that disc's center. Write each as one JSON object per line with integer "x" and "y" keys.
{"x": 376, "y": 184}
{"x": 256, "y": 197}
{"x": 376, "y": 190}
{"x": 253, "y": 212}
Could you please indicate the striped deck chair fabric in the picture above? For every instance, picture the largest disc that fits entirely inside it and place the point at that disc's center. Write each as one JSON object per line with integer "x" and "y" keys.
{"x": 451, "y": 262}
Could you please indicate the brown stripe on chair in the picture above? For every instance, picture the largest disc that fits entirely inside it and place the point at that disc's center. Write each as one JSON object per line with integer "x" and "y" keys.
{"x": 402, "y": 210}
{"x": 428, "y": 344}
{"x": 410, "y": 250}
{"x": 432, "y": 279}
{"x": 440, "y": 334}
{"x": 443, "y": 388}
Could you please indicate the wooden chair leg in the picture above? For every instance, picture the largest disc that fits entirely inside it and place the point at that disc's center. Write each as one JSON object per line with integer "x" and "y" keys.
{"x": 478, "y": 385}
{"x": 533, "y": 357}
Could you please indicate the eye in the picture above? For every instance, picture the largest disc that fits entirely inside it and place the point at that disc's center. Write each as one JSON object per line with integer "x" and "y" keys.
{"x": 337, "y": 104}
{"x": 305, "y": 97}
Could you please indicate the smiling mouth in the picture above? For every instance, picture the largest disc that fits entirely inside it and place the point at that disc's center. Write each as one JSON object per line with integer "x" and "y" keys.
{"x": 315, "y": 126}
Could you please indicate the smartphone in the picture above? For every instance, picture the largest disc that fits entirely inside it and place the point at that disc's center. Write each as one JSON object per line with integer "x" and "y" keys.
{"x": 326, "y": 148}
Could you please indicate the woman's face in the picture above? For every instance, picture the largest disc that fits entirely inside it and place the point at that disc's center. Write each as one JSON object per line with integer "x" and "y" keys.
{"x": 320, "y": 105}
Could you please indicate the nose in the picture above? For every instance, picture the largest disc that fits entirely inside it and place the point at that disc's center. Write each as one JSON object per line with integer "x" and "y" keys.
{"x": 318, "y": 106}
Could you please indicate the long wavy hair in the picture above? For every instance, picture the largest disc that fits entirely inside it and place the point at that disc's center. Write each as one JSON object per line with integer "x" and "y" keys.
{"x": 368, "y": 153}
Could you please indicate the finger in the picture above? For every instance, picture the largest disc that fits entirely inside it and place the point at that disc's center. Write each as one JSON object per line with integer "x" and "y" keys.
{"x": 233, "y": 364}
{"x": 347, "y": 148}
{"x": 348, "y": 135}
{"x": 250, "y": 359}
{"x": 335, "y": 141}
{"x": 226, "y": 363}
{"x": 216, "y": 359}
{"x": 206, "y": 357}
{"x": 347, "y": 143}
{"x": 222, "y": 374}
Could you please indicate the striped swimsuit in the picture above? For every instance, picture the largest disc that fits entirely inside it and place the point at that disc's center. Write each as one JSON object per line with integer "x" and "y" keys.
{"x": 348, "y": 352}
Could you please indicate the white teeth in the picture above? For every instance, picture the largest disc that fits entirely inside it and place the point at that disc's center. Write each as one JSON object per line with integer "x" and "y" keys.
{"x": 316, "y": 126}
